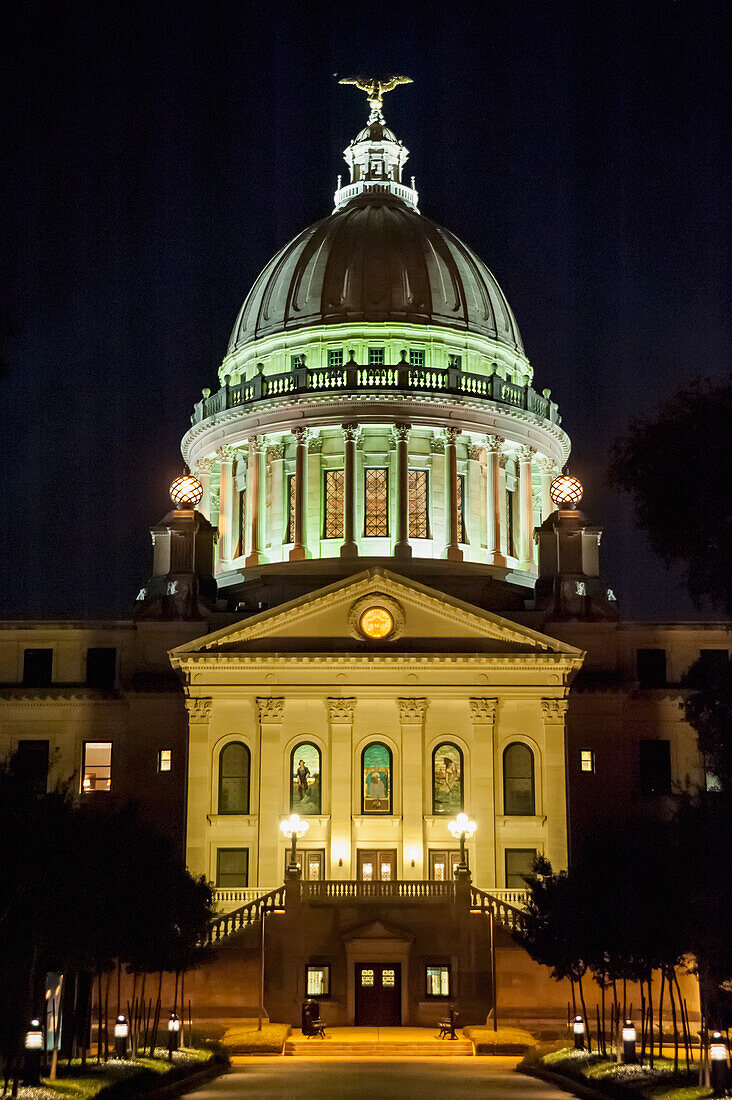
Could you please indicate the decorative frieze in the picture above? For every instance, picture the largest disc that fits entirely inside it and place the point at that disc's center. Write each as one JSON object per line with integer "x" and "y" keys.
{"x": 483, "y": 710}
{"x": 199, "y": 710}
{"x": 270, "y": 709}
{"x": 554, "y": 710}
{"x": 341, "y": 710}
{"x": 412, "y": 710}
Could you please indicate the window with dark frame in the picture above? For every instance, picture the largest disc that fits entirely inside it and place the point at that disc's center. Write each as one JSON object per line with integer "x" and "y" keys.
{"x": 31, "y": 763}
{"x": 376, "y": 502}
{"x": 333, "y": 504}
{"x": 101, "y": 667}
{"x": 419, "y": 522}
{"x": 462, "y": 536}
{"x": 234, "y": 770}
{"x": 519, "y": 864}
{"x": 455, "y": 361}
{"x": 437, "y": 980}
{"x": 651, "y": 668}
{"x": 297, "y": 360}
{"x": 165, "y": 760}
{"x": 96, "y": 770}
{"x": 518, "y": 781}
{"x": 335, "y": 357}
{"x": 290, "y": 529}
{"x": 587, "y": 760}
{"x": 317, "y": 980}
{"x": 714, "y": 660}
{"x": 416, "y": 357}
{"x": 655, "y": 768}
{"x": 37, "y": 667}
{"x": 376, "y": 357}
{"x": 232, "y": 868}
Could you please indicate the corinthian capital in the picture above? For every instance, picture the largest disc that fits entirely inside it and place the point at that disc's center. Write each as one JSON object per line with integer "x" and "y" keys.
{"x": 483, "y": 710}
{"x": 451, "y": 435}
{"x": 270, "y": 709}
{"x": 301, "y": 435}
{"x": 340, "y": 710}
{"x": 554, "y": 710}
{"x": 199, "y": 710}
{"x": 400, "y": 433}
{"x": 525, "y": 454}
{"x": 203, "y": 466}
{"x": 546, "y": 465}
{"x": 412, "y": 710}
{"x": 257, "y": 444}
{"x": 494, "y": 443}
{"x": 315, "y": 444}
{"x": 351, "y": 431}
{"x": 225, "y": 453}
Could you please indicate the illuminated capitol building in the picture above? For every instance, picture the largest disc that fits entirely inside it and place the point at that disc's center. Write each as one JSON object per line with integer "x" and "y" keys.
{"x": 377, "y": 606}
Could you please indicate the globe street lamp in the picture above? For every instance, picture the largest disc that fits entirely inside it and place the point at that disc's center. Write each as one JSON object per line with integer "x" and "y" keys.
{"x": 294, "y": 828}
{"x": 462, "y": 827}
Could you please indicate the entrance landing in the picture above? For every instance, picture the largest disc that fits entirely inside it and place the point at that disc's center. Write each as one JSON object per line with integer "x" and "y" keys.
{"x": 384, "y": 1042}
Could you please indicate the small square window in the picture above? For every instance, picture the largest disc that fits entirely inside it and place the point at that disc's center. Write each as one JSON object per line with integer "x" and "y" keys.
{"x": 97, "y": 766}
{"x": 587, "y": 760}
{"x": 335, "y": 357}
{"x": 455, "y": 361}
{"x": 416, "y": 357}
{"x": 438, "y": 981}
{"x": 297, "y": 361}
{"x": 165, "y": 760}
{"x": 318, "y": 981}
{"x": 376, "y": 357}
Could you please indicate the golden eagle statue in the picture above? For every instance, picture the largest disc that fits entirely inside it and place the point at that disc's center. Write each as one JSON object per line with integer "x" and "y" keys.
{"x": 375, "y": 87}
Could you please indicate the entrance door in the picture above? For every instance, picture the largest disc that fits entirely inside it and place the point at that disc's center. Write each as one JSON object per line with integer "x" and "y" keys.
{"x": 443, "y": 864}
{"x": 377, "y": 865}
{"x": 378, "y": 994}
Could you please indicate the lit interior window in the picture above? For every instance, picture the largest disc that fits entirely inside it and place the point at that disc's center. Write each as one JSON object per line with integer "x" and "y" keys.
{"x": 367, "y": 977}
{"x": 438, "y": 981}
{"x": 377, "y": 622}
{"x": 587, "y": 760}
{"x": 97, "y": 768}
{"x": 440, "y": 871}
{"x": 165, "y": 760}
{"x": 318, "y": 981}
{"x": 388, "y": 979}
{"x": 367, "y": 871}
{"x": 385, "y": 872}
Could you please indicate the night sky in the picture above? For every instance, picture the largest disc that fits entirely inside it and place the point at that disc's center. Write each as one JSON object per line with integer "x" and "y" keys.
{"x": 156, "y": 155}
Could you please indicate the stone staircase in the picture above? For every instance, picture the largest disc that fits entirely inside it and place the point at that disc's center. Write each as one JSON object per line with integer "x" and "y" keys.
{"x": 374, "y": 1042}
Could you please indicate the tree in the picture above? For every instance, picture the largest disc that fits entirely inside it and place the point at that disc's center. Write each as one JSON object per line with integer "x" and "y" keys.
{"x": 708, "y": 710}
{"x": 677, "y": 467}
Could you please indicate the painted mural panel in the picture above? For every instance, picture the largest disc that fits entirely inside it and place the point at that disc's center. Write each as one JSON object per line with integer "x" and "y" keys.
{"x": 306, "y": 789}
{"x": 376, "y": 779}
{"x": 447, "y": 779}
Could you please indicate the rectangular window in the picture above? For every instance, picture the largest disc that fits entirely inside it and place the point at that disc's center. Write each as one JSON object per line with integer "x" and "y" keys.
{"x": 462, "y": 536}
{"x": 455, "y": 361}
{"x": 376, "y": 503}
{"x": 97, "y": 766}
{"x": 37, "y": 667}
{"x": 519, "y": 862}
{"x": 651, "y": 668}
{"x": 232, "y": 867}
{"x": 290, "y": 528}
{"x": 438, "y": 981}
{"x": 165, "y": 760}
{"x": 297, "y": 361}
{"x": 655, "y": 768}
{"x": 376, "y": 357}
{"x": 419, "y": 525}
{"x": 587, "y": 760}
{"x": 101, "y": 667}
{"x": 333, "y": 489}
{"x": 318, "y": 981}
{"x": 31, "y": 762}
{"x": 713, "y": 660}
{"x": 335, "y": 357}
{"x": 416, "y": 357}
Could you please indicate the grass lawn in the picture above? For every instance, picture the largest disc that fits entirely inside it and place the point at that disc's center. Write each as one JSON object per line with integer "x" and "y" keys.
{"x": 661, "y": 1083}
{"x": 244, "y": 1038}
{"x": 507, "y": 1040}
{"x": 124, "y": 1078}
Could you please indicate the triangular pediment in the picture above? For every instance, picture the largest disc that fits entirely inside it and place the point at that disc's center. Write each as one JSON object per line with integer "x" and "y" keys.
{"x": 329, "y": 620}
{"x": 377, "y": 930}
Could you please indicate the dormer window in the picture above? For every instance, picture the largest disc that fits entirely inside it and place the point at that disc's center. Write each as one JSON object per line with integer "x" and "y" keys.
{"x": 376, "y": 167}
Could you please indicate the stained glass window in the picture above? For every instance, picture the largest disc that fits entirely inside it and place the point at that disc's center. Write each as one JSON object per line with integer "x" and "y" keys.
{"x": 416, "y": 357}
{"x": 333, "y": 504}
{"x": 234, "y": 779}
{"x": 462, "y": 536}
{"x": 376, "y": 768}
{"x": 335, "y": 357}
{"x": 290, "y": 529}
{"x": 419, "y": 524}
{"x": 376, "y": 357}
{"x": 447, "y": 779}
{"x": 305, "y": 771}
{"x": 376, "y": 502}
{"x": 518, "y": 780}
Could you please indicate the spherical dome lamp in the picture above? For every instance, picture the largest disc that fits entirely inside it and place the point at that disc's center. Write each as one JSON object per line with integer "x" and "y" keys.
{"x": 186, "y": 491}
{"x": 566, "y": 491}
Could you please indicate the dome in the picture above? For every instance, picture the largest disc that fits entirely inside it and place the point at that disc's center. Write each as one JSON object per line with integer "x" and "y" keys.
{"x": 376, "y": 259}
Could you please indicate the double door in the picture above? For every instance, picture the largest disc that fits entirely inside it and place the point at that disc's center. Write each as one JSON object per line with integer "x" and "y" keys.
{"x": 377, "y": 865}
{"x": 378, "y": 995}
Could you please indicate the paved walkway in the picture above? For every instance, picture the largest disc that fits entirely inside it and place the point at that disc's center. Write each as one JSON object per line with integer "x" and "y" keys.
{"x": 337, "y": 1079}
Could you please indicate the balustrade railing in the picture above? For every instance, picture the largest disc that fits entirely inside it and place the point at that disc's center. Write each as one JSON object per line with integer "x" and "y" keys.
{"x": 250, "y": 913}
{"x": 405, "y": 889}
{"x": 510, "y": 916}
{"x": 238, "y": 895}
{"x": 352, "y": 376}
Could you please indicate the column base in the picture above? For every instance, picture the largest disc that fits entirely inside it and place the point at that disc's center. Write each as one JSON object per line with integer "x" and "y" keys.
{"x": 299, "y": 553}
{"x": 349, "y": 550}
{"x": 255, "y": 558}
{"x": 496, "y": 558}
{"x": 402, "y": 550}
{"x": 454, "y": 553}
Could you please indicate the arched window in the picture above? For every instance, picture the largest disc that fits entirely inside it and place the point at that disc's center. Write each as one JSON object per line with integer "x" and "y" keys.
{"x": 518, "y": 781}
{"x": 234, "y": 766}
{"x": 447, "y": 779}
{"x": 376, "y": 770}
{"x": 305, "y": 785}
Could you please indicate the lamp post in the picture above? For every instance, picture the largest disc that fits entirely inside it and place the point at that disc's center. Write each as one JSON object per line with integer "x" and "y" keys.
{"x": 294, "y": 828}
{"x": 578, "y": 1029}
{"x": 629, "y": 1036}
{"x": 462, "y": 827}
{"x": 33, "y": 1049}
{"x": 718, "y": 1064}
{"x": 121, "y": 1034}
{"x": 173, "y": 1034}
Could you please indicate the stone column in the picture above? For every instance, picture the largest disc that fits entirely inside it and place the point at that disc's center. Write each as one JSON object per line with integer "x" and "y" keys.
{"x": 254, "y": 495}
{"x": 452, "y": 550}
{"x": 299, "y": 550}
{"x": 275, "y": 534}
{"x": 526, "y": 534}
{"x": 203, "y": 473}
{"x": 495, "y": 499}
{"x": 411, "y": 717}
{"x": 548, "y": 472}
{"x": 349, "y": 548}
{"x": 340, "y": 717}
{"x": 553, "y": 712}
{"x": 482, "y": 805}
{"x": 270, "y": 763}
{"x": 199, "y": 786}
{"x": 402, "y": 549}
{"x": 226, "y": 502}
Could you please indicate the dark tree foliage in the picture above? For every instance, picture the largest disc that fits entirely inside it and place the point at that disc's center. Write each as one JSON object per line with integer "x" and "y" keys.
{"x": 677, "y": 468}
{"x": 708, "y": 710}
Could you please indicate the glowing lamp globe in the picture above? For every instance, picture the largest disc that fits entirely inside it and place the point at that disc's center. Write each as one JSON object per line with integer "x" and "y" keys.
{"x": 186, "y": 491}
{"x": 294, "y": 826}
{"x": 566, "y": 491}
